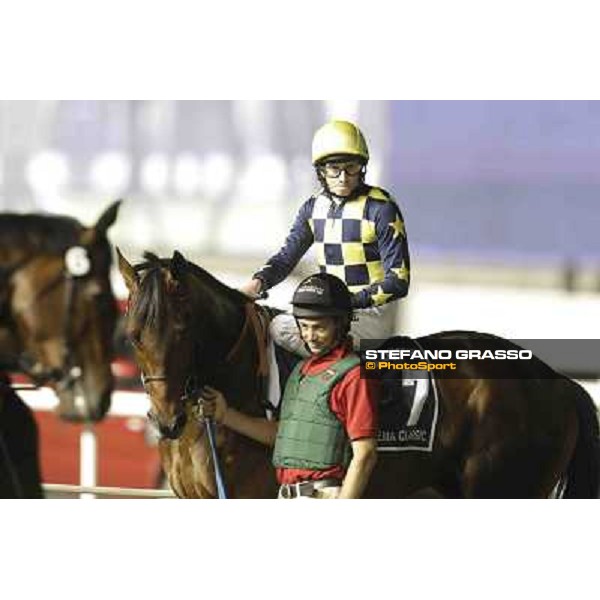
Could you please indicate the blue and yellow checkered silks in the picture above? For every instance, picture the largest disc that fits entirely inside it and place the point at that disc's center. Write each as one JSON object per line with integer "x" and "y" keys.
{"x": 362, "y": 241}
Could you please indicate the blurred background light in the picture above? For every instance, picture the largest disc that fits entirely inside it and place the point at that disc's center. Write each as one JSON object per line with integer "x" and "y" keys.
{"x": 216, "y": 174}
{"x": 47, "y": 172}
{"x": 110, "y": 172}
{"x": 154, "y": 173}
{"x": 263, "y": 178}
{"x": 187, "y": 174}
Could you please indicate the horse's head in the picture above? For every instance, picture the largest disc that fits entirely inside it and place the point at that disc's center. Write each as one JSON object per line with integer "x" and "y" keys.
{"x": 64, "y": 315}
{"x": 161, "y": 326}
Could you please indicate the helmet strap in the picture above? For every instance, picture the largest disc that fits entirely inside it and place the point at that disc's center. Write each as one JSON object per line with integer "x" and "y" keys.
{"x": 344, "y": 327}
{"x": 300, "y": 334}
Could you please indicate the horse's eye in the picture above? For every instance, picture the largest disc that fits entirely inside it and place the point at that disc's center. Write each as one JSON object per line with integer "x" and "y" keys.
{"x": 135, "y": 339}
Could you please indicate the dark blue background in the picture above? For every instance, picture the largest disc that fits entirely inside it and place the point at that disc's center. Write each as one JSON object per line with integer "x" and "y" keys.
{"x": 499, "y": 179}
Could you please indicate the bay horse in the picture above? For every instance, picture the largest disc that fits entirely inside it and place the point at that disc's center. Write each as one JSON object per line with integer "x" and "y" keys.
{"x": 57, "y": 309}
{"x": 20, "y": 475}
{"x": 506, "y": 438}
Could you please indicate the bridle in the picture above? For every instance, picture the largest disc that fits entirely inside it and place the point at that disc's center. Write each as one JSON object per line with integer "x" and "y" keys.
{"x": 77, "y": 268}
{"x": 191, "y": 391}
{"x": 192, "y": 386}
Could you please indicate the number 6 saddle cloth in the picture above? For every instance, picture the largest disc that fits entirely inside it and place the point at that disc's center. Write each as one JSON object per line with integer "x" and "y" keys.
{"x": 409, "y": 406}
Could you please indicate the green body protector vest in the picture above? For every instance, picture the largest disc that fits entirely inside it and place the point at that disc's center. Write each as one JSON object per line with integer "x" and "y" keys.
{"x": 309, "y": 435}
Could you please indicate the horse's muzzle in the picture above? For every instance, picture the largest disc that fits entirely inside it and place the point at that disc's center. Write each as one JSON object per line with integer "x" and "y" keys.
{"x": 76, "y": 407}
{"x": 172, "y": 430}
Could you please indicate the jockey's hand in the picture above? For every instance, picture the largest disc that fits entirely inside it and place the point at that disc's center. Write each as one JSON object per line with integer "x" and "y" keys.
{"x": 213, "y": 404}
{"x": 252, "y": 289}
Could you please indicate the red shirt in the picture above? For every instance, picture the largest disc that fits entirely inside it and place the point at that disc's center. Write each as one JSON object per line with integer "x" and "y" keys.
{"x": 353, "y": 401}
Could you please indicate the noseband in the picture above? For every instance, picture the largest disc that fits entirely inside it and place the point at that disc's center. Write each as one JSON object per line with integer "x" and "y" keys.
{"x": 174, "y": 429}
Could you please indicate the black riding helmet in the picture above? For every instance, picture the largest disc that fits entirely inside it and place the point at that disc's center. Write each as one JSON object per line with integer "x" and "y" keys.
{"x": 322, "y": 295}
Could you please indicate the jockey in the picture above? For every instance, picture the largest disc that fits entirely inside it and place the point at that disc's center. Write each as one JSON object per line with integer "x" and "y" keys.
{"x": 325, "y": 440}
{"x": 359, "y": 235}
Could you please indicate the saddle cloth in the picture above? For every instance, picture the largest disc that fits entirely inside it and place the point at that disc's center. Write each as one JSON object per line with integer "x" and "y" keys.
{"x": 409, "y": 407}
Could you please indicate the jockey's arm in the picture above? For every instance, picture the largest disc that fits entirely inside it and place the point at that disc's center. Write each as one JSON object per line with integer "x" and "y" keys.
{"x": 214, "y": 405}
{"x": 281, "y": 264}
{"x": 359, "y": 470}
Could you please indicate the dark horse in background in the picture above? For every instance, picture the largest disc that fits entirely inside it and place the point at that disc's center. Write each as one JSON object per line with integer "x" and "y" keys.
{"x": 57, "y": 319}
{"x": 516, "y": 437}
{"x": 20, "y": 475}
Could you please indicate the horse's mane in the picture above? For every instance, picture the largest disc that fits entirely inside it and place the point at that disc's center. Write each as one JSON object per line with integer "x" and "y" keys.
{"x": 42, "y": 233}
{"x": 150, "y": 308}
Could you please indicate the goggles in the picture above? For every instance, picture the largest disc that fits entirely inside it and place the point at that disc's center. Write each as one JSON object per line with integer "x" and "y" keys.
{"x": 335, "y": 170}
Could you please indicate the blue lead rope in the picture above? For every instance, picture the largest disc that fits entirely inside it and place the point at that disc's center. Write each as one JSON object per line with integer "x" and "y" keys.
{"x": 210, "y": 429}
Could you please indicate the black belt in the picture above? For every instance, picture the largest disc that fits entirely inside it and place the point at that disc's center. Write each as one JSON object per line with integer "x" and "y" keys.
{"x": 305, "y": 488}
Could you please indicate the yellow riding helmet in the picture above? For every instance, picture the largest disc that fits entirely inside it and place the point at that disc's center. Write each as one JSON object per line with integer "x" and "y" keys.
{"x": 339, "y": 137}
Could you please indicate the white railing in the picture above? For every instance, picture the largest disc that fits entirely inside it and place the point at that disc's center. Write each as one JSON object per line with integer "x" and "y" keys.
{"x": 123, "y": 404}
{"x": 93, "y": 491}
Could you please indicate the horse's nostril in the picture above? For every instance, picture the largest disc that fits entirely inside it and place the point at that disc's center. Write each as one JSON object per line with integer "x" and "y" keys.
{"x": 174, "y": 429}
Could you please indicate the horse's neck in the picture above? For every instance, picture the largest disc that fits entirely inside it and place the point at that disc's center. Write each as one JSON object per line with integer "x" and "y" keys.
{"x": 14, "y": 256}
{"x": 214, "y": 300}
{"x": 229, "y": 332}
{"x": 21, "y": 238}
{"x": 215, "y": 307}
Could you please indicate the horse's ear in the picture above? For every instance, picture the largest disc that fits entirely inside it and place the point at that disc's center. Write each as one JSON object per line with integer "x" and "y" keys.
{"x": 129, "y": 275}
{"x": 108, "y": 217}
{"x": 98, "y": 231}
{"x": 178, "y": 265}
